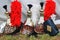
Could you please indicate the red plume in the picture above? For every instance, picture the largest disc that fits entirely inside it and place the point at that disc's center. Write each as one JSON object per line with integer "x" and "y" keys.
{"x": 15, "y": 15}
{"x": 49, "y": 9}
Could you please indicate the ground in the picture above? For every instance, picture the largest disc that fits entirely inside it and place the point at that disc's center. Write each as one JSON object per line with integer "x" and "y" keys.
{"x": 24, "y": 37}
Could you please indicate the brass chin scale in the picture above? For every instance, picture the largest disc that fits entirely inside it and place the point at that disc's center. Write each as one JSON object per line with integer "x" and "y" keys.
{"x": 29, "y": 14}
{"x": 39, "y": 28}
{"x": 28, "y": 26}
{"x": 8, "y": 29}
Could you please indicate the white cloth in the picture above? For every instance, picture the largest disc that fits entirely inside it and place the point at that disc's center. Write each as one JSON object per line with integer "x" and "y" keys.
{"x": 41, "y": 20}
{"x": 28, "y": 22}
{"x": 53, "y": 17}
{"x": 2, "y": 26}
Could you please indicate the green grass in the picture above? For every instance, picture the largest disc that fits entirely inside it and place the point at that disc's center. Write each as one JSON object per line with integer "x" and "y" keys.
{"x": 24, "y": 37}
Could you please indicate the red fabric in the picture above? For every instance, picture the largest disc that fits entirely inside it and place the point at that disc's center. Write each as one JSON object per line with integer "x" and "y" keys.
{"x": 49, "y": 9}
{"x": 15, "y": 14}
{"x": 48, "y": 0}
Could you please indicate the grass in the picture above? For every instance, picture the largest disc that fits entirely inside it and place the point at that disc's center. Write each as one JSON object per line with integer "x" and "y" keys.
{"x": 24, "y": 37}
